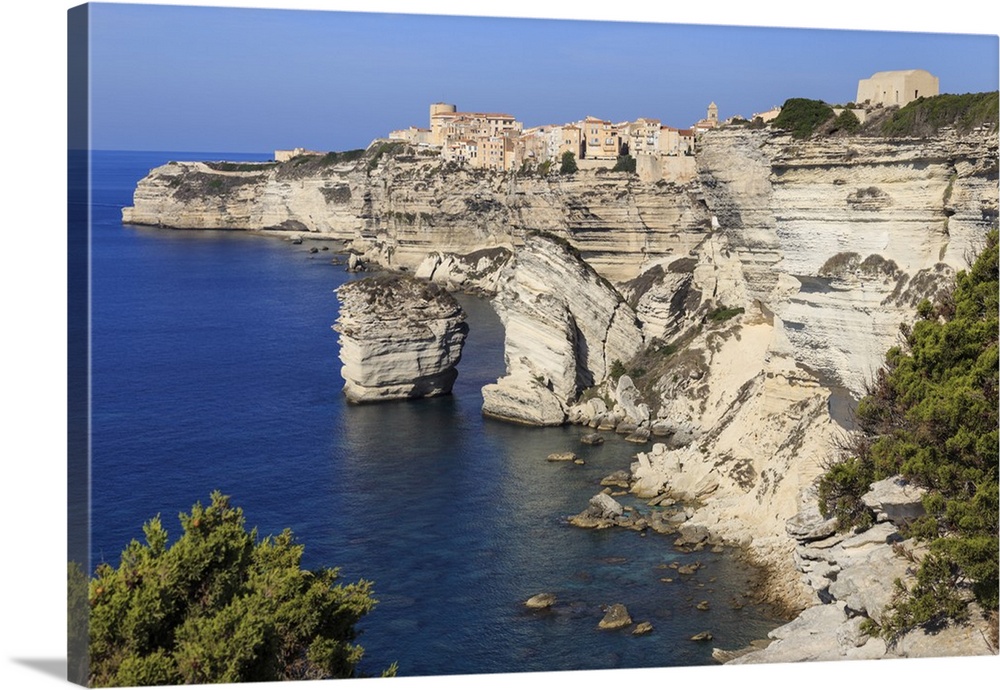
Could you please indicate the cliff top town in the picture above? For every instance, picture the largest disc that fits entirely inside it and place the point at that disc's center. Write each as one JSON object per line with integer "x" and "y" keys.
{"x": 498, "y": 141}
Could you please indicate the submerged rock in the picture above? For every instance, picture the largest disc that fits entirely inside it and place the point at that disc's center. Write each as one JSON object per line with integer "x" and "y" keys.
{"x": 541, "y": 601}
{"x": 400, "y": 337}
{"x": 643, "y": 628}
{"x": 567, "y": 456}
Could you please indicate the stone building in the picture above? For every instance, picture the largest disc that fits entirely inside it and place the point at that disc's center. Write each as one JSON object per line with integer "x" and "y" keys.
{"x": 601, "y": 140}
{"x": 897, "y": 87}
{"x": 642, "y": 136}
{"x": 711, "y": 120}
{"x": 283, "y": 155}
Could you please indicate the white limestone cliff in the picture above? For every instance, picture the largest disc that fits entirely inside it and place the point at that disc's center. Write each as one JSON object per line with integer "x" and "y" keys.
{"x": 564, "y": 327}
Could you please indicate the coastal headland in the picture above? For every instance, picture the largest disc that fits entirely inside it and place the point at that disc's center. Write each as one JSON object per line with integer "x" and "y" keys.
{"x": 725, "y": 320}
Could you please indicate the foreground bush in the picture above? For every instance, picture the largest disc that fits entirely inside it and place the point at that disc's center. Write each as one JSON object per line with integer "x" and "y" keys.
{"x": 219, "y": 606}
{"x": 931, "y": 416}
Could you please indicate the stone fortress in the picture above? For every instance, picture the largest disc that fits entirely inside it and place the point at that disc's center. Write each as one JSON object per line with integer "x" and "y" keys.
{"x": 897, "y": 88}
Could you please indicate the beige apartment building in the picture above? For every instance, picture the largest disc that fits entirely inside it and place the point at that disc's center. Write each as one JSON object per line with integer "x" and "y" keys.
{"x": 897, "y": 87}
{"x": 676, "y": 142}
{"x": 601, "y": 140}
{"x": 547, "y": 142}
{"x": 643, "y": 136}
{"x": 448, "y": 123}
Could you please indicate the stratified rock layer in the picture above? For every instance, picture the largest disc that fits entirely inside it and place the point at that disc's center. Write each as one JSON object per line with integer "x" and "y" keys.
{"x": 564, "y": 327}
{"x": 400, "y": 337}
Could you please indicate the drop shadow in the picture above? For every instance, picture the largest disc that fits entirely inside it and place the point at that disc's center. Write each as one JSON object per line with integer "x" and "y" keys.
{"x": 50, "y": 667}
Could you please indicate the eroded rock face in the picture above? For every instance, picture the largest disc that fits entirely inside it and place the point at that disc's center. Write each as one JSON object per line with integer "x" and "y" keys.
{"x": 564, "y": 327}
{"x": 400, "y": 207}
{"x": 400, "y": 337}
{"x": 840, "y": 238}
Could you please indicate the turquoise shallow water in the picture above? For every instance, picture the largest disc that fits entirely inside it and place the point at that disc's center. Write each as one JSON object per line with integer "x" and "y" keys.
{"x": 215, "y": 367}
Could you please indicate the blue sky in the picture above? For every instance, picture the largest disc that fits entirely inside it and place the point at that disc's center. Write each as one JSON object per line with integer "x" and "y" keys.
{"x": 182, "y": 78}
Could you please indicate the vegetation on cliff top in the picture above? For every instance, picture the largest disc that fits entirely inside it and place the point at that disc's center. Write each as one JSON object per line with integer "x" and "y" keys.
{"x": 931, "y": 416}
{"x": 801, "y": 116}
{"x": 921, "y": 118}
{"x": 220, "y": 606}
{"x": 925, "y": 116}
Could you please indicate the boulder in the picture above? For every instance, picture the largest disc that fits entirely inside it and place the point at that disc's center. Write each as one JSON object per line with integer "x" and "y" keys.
{"x": 592, "y": 439}
{"x": 603, "y": 506}
{"x": 691, "y": 535}
{"x": 706, "y": 486}
{"x": 638, "y": 436}
{"x": 661, "y": 427}
{"x": 522, "y": 399}
{"x": 627, "y": 397}
{"x": 809, "y": 524}
{"x": 895, "y": 499}
{"x": 620, "y": 478}
{"x": 625, "y": 428}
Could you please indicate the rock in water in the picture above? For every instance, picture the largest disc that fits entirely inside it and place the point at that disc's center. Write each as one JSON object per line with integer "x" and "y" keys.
{"x": 400, "y": 337}
{"x": 541, "y": 601}
{"x": 615, "y": 617}
{"x": 643, "y": 628}
{"x": 562, "y": 457}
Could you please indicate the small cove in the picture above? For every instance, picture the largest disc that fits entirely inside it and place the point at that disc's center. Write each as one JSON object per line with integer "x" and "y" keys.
{"x": 215, "y": 367}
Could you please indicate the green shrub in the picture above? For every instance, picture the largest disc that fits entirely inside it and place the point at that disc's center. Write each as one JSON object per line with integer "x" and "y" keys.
{"x": 925, "y": 116}
{"x": 220, "y": 606}
{"x": 847, "y": 121}
{"x": 624, "y": 163}
{"x": 568, "y": 165}
{"x": 801, "y": 116}
{"x": 931, "y": 415}
{"x": 723, "y": 313}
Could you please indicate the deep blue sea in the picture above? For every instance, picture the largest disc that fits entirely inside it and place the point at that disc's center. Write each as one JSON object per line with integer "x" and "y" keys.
{"x": 215, "y": 367}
